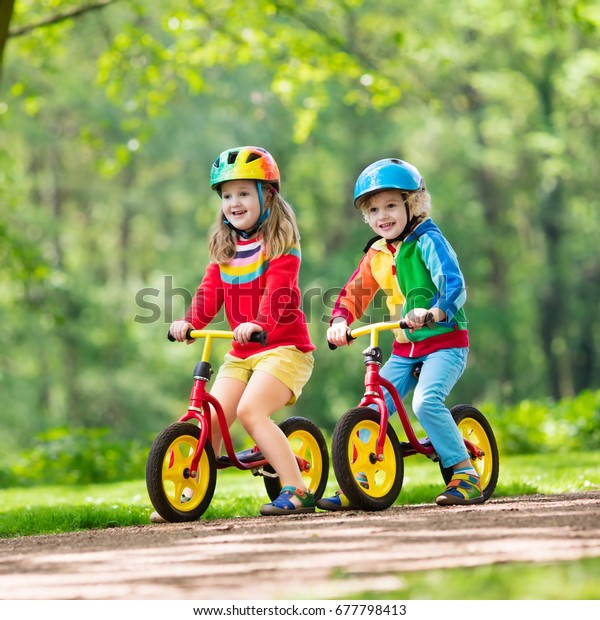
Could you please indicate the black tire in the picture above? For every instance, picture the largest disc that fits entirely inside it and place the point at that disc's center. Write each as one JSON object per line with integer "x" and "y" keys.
{"x": 307, "y": 442}
{"x": 474, "y": 426}
{"x": 168, "y": 478}
{"x": 354, "y": 455}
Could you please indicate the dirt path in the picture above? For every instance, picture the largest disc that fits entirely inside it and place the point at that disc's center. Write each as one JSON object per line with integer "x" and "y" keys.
{"x": 305, "y": 556}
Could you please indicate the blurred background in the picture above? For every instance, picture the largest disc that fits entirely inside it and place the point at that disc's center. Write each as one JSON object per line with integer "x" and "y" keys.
{"x": 112, "y": 112}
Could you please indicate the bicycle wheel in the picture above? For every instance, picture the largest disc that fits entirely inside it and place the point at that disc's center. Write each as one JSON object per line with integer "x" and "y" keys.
{"x": 368, "y": 484}
{"x": 176, "y": 495}
{"x": 474, "y": 426}
{"x": 308, "y": 443}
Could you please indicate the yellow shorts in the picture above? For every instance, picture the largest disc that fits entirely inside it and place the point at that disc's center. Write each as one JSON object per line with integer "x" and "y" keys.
{"x": 292, "y": 367}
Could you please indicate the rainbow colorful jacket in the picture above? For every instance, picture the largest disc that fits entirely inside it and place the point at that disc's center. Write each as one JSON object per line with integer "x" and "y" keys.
{"x": 423, "y": 272}
{"x": 255, "y": 289}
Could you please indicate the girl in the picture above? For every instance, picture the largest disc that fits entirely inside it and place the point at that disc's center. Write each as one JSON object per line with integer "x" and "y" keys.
{"x": 255, "y": 260}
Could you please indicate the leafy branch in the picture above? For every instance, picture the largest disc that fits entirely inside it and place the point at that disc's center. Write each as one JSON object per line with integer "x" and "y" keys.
{"x": 60, "y": 17}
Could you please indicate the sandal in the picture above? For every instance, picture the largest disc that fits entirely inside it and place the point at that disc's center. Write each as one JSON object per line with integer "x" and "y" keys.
{"x": 336, "y": 503}
{"x": 462, "y": 489}
{"x": 291, "y": 500}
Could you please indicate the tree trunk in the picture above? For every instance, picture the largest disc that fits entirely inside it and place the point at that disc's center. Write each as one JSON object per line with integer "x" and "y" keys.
{"x": 493, "y": 201}
{"x": 552, "y": 302}
{"x": 6, "y": 12}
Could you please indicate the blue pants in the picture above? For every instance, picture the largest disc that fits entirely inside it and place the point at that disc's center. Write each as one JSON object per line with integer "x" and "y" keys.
{"x": 440, "y": 372}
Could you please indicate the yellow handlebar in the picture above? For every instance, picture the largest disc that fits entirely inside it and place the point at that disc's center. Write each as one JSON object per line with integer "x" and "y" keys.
{"x": 374, "y": 330}
{"x": 210, "y": 334}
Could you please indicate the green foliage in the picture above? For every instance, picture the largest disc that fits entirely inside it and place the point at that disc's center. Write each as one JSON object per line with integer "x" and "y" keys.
{"x": 76, "y": 456}
{"x": 110, "y": 121}
{"x": 543, "y": 426}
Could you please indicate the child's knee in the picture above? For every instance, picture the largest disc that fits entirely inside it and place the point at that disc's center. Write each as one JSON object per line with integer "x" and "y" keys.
{"x": 246, "y": 416}
{"x": 251, "y": 417}
{"x": 425, "y": 406}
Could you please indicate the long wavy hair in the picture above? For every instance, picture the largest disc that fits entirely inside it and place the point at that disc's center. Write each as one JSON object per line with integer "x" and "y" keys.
{"x": 279, "y": 231}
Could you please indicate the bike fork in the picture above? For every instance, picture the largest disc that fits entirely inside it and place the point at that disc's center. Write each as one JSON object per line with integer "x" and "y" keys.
{"x": 199, "y": 410}
{"x": 374, "y": 396}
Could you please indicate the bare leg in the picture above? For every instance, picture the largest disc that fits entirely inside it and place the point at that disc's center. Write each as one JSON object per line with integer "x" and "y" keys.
{"x": 228, "y": 392}
{"x": 263, "y": 396}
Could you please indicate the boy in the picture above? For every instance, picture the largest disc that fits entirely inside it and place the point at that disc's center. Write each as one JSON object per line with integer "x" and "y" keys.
{"x": 417, "y": 268}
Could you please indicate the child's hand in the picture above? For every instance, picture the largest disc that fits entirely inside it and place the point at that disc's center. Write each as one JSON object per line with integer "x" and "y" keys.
{"x": 418, "y": 318}
{"x": 336, "y": 334}
{"x": 243, "y": 332}
{"x": 179, "y": 329}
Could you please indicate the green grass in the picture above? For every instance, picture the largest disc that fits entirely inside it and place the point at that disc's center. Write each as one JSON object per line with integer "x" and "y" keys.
{"x": 577, "y": 580}
{"x": 519, "y": 475}
{"x": 55, "y": 509}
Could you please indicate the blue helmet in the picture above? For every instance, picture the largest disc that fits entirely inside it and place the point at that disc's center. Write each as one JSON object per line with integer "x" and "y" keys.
{"x": 388, "y": 173}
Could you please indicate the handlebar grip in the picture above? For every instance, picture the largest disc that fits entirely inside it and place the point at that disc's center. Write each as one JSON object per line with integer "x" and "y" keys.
{"x": 428, "y": 322}
{"x": 333, "y": 347}
{"x": 173, "y": 339}
{"x": 260, "y": 337}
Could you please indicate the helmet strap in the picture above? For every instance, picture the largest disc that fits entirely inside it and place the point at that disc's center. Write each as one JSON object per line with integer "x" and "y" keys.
{"x": 411, "y": 223}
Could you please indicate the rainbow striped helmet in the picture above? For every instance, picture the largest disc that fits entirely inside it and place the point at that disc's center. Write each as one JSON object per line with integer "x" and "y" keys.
{"x": 244, "y": 162}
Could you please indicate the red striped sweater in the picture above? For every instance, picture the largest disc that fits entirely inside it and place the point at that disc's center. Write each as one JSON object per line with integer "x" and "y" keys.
{"x": 258, "y": 290}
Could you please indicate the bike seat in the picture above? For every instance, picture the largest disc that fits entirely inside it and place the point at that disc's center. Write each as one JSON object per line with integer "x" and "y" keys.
{"x": 416, "y": 371}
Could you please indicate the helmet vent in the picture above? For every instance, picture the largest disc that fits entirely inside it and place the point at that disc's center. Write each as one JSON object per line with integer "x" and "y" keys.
{"x": 244, "y": 162}
{"x": 395, "y": 161}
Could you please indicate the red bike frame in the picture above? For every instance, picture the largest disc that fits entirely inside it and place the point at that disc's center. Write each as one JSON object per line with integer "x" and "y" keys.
{"x": 373, "y": 395}
{"x": 199, "y": 409}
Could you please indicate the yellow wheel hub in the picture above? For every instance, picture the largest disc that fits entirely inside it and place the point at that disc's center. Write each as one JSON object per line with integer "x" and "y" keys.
{"x": 184, "y": 493}
{"x": 375, "y": 478}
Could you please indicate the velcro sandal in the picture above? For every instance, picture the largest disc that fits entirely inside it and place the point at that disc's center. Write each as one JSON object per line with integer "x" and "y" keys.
{"x": 291, "y": 500}
{"x": 462, "y": 489}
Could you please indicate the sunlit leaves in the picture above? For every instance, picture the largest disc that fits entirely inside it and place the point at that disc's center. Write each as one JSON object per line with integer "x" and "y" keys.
{"x": 113, "y": 119}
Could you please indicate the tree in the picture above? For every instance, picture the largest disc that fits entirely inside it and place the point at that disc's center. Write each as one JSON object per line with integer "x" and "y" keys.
{"x": 114, "y": 116}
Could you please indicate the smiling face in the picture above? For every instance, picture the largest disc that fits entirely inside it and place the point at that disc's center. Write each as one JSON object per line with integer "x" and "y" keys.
{"x": 240, "y": 203}
{"x": 386, "y": 214}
